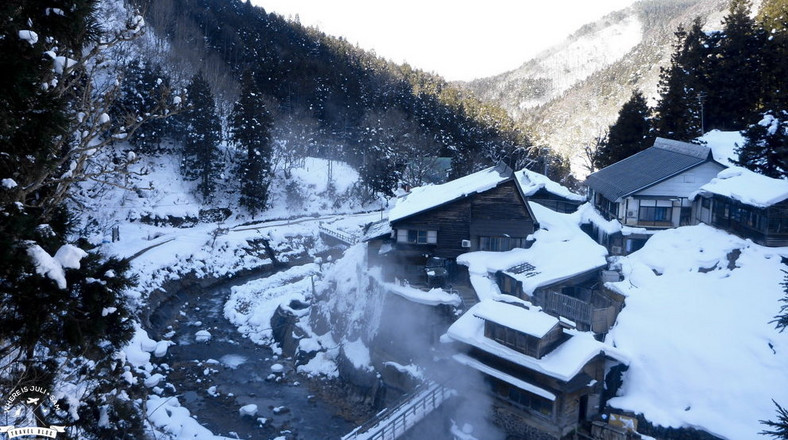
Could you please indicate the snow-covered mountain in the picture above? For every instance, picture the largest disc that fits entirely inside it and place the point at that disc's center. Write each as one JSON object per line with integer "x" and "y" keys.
{"x": 571, "y": 93}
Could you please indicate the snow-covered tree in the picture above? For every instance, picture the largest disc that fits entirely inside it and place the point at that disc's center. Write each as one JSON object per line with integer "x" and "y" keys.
{"x": 766, "y": 147}
{"x": 65, "y": 315}
{"x": 202, "y": 137}
{"x": 250, "y": 125}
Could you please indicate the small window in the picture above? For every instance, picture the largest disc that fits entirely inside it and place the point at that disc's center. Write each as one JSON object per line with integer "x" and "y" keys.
{"x": 705, "y": 203}
{"x": 415, "y": 236}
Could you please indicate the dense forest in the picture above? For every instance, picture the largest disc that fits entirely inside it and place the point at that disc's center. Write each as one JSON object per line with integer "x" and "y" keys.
{"x": 732, "y": 80}
{"x": 330, "y": 99}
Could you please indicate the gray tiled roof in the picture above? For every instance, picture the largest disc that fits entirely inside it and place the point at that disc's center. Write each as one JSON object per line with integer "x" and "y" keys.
{"x": 663, "y": 160}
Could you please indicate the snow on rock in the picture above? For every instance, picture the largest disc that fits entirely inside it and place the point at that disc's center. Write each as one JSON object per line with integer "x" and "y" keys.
{"x": 161, "y": 348}
{"x": 29, "y": 36}
{"x": 321, "y": 365}
{"x": 8, "y": 183}
{"x": 153, "y": 380}
{"x": 358, "y": 354}
{"x": 277, "y": 368}
{"x": 202, "y": 336}
{"x": 703, "y": 351}
{"x": 138, "y": 350}
{"x": 252, "y": 305}
{"x": 166, "y": 413}
{"x": 747, "y": 187}
{"x": 248, "y": 410}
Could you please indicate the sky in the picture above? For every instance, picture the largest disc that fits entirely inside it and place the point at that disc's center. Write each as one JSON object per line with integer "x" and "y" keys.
{"x": 460, "y": 40}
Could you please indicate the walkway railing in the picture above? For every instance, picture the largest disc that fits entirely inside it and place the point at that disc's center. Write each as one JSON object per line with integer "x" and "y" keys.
{"x": 391, "y": 423}
{"x": 344, "y": 237}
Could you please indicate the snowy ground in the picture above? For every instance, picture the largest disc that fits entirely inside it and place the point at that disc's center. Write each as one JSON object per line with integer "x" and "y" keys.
{"x": 703, "y": 353}
{"x": 156, "y": 216}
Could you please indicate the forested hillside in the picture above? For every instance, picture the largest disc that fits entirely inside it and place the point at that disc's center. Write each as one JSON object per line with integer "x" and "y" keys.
{"x": 389, "y": 120}
{"x": 568, "y": 97}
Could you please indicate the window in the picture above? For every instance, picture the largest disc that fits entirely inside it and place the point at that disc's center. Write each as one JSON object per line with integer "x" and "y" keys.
{"x": 500, "y": 244}
{"x": 655, "y": 211}
{"x": 527, "y": 400}
{"x": 415, "y": 236}
{"x": 705, "y": 203}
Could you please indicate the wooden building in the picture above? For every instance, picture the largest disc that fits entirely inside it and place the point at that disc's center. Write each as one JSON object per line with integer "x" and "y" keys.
{"x": 546, "y": 381}
{"x": 580, "y": 297}
{"x": 484, "y": 211}
{"x": 652, "y": 189}
{"x": 746, "y": 204}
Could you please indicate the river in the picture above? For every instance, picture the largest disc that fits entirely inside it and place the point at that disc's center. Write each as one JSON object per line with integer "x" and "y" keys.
{"x": 214, "y": 379}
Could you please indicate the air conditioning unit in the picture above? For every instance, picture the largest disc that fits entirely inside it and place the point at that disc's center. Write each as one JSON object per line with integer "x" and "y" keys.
{"x": 466, "y": 243}
{"x": 630, "y": 213}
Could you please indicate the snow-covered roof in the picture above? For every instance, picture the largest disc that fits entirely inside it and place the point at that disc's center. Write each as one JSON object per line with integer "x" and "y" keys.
{"x": 561, "y": 251}
{"x": 432, "y": 297}
{"x": 530, "y": 182}
{"x": 377, "y": 229}
{"x": 427, "y": 197}
{"x": 528, "y": 321}
{"x": 704, "y": 353}
{"x": 747, "y": 187}
{"x": 486, "y": 369}
{"x": 665, "y": 159}
{"x": 563, "y": 363}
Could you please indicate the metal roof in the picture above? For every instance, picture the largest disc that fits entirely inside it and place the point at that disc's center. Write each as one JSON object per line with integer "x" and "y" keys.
{"x": 665, "y": 159}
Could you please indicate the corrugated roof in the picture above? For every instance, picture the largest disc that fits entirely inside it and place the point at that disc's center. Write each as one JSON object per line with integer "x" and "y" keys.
{"x": 663, "y": 160}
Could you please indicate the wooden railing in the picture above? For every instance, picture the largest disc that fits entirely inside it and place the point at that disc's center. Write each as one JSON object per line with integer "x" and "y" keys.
{"x": 339, "y": 235}
{"x": 391, "y": 423}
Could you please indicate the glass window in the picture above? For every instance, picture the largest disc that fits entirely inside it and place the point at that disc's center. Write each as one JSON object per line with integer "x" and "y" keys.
{"x": 655, "y": 214}
{"x": 500, "y": 244}
{"x": 417, "y": 237}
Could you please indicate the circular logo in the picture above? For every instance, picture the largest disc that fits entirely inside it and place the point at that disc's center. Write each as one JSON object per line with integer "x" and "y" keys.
{"x": 29, "y": 405}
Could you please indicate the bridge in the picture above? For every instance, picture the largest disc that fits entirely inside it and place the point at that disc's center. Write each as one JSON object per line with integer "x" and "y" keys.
{"x": 393, "y": 422}
{"x": 338, "y": 235}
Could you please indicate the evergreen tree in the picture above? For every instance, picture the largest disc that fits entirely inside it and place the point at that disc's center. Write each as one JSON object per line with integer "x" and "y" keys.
{"x": 251, "y": 125}
{"x": 630, "y": 134}
{"x": 779, "y": 429}
{"x": 734, "y": 72}
{"x": 680, "y": 111}
{"x": 203, "y": 134}
{"x": 142, "y": 89}
{"x": 64, "y": 311}
{"x": 781, "y": 320}
{"x": 766, "y": 146}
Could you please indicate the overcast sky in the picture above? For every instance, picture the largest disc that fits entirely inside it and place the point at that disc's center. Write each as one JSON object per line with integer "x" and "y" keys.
{"x": 458, "y": 39}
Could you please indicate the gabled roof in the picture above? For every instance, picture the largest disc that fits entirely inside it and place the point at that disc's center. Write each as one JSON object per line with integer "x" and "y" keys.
{"x": 427, "y": 197}
{"x": 563, "y": 363}
{"x": 662, "y": 161}
{"x": 747, "y": 187}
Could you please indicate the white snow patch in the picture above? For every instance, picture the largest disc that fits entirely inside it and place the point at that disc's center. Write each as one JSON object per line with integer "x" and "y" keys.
{"x": 703, "y": 351}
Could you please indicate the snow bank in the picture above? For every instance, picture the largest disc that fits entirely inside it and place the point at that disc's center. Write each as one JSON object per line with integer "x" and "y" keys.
{"x": 703, "y": 351}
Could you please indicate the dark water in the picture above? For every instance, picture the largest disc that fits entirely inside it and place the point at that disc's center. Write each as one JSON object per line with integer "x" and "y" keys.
{"x": 241, "y": 373}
